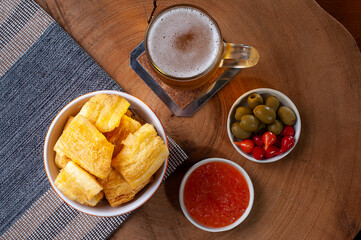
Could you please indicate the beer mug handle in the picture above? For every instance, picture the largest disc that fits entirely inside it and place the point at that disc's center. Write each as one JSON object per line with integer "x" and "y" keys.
{"x": 239, "y": 56}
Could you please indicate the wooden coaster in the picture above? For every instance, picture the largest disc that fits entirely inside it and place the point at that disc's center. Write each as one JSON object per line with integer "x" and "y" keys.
{"x": 181, "y": 97}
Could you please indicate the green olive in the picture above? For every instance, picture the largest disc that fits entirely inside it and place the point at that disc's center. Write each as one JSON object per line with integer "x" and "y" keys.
{"x": 261, "y": 126}
{"x": 249, "y": 123}
{"x": 254, "y": 100}
{"x": 241, "y": 111}
{"x": 272, "y": 102}
{"x": 265, "y": 114}
{"x": 239, "y": 132}
{"x": 287, "y": 116}
{"x": 276, "y": 127}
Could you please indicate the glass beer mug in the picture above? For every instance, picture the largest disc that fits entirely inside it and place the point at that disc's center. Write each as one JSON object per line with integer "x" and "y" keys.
{"x": 184, "y": 45}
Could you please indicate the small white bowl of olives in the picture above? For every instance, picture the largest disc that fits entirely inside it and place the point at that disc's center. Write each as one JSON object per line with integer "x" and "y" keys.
{"x": 260, "y": 111}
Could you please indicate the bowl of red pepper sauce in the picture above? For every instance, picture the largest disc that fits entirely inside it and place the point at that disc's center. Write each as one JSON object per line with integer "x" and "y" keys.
{"x": 216, "y": 194}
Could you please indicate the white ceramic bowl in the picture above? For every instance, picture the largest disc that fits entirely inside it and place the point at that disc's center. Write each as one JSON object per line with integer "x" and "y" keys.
{"x": 228, "y": 227}
{"x": 103, "y": 208}
{"x": 264, "y": 92}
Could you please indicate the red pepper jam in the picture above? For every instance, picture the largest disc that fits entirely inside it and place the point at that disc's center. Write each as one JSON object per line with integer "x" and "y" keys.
{"x": 216, "y": 194}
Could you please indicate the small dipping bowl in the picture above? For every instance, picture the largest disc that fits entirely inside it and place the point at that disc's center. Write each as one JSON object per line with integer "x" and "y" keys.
{"x": 284, "y": 101}
{"x": 234, "y": 167}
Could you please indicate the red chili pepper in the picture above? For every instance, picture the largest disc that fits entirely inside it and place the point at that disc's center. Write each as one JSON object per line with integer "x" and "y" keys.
{"x": 268, "y": 139}
{"x": 257, "y": 139}
{"x": 258, "y": 153}
{"x": 272, "y": 151}
{"x": 279, "y": 141}
{"x": 287, "y": 143}
{"x": 246, "y": 145}
{"x": 288, "y": 131}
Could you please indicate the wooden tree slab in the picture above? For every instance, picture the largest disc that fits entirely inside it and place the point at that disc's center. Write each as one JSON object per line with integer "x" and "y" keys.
{"x": 314, "y": 192}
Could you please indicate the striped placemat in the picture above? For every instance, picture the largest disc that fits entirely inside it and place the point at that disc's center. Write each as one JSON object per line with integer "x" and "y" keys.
{"x": 42, "y": 69}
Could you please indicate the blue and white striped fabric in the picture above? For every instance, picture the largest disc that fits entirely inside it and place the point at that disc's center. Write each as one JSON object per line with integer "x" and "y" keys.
{"x": 42, "y": 69}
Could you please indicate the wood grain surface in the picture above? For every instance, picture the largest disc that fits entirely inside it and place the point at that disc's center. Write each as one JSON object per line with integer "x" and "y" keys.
{"x": 347, "y": 12}
{"x": 315, "y": 192}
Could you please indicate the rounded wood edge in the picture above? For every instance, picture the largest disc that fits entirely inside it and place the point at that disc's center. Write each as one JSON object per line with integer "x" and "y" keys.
{"x": 336, "y": 22}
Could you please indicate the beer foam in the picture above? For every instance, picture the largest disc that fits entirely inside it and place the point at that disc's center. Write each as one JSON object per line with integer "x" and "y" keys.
{"x": 183, "y": 42}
